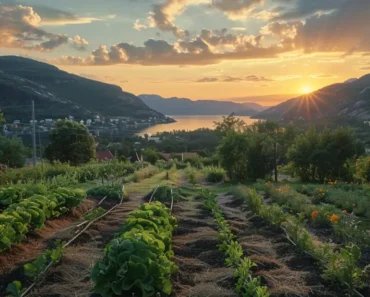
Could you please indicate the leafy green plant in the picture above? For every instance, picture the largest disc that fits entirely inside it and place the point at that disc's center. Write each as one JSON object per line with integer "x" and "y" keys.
{"x": 138, "y": 260}
{"x": 14, "y": 289}
{"x": 342, "y": 267}
{"x": 190, "y": 174}
{"x": 111, "y": 192}
{"x": 214, "y": 174}
{"x": 94, "y": 214}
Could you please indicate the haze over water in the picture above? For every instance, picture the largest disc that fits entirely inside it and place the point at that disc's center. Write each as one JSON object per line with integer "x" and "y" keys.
{"x": 190, "y": 123}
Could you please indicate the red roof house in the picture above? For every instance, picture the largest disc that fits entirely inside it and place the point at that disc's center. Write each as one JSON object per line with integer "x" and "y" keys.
{"x": 104, "y": 156}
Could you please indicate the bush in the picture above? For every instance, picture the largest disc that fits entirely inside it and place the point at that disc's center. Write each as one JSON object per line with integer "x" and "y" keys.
{"x": 190, "y": 174}
{"x": 144, "y": 173}
{"x": 111, "y": 192}
{"x": 214, "y": 174}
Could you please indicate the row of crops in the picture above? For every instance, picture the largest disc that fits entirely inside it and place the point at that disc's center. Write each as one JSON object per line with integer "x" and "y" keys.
{"x": 247, "y": 284}
{"x": 21, "y": 217}
{"x": 138, "y": 260}
{"x": 338, "y": 265}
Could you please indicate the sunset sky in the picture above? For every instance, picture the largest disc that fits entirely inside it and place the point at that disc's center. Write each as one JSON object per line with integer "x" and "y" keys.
{"x": 200, "y": 49}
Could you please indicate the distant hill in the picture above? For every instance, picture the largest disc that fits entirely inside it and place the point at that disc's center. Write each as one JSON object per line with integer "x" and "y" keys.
{"x": 184, "y": 106}
{"x": 58, "y": 94}
{"x": 350, "y": 99}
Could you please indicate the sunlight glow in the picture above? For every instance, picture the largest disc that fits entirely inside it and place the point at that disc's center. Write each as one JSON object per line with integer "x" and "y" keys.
{"x": 306, "y": 90}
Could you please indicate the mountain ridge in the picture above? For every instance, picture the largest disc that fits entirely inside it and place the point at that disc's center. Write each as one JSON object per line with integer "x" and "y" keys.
{"x": 58, "y": 94}
{"x": 350, "y": 99}
{"x": 186, "y": 106}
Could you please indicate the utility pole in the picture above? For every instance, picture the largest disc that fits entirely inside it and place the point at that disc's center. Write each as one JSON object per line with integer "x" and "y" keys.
{"x": 33, "y": 134}
{"x": 275, "y": 161}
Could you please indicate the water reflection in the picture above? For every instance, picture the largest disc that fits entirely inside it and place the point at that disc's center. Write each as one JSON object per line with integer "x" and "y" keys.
{"x": 189, "y": 123}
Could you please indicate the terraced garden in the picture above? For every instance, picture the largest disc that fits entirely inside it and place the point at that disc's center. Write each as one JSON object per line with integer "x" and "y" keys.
{"x": 151, "y": 232}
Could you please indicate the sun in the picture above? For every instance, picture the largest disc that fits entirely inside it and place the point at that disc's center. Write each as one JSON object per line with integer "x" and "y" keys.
{"x": 306, "y": 90}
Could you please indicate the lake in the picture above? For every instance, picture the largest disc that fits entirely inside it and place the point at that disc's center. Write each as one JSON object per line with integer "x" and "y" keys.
{"x": 189, "y": 123}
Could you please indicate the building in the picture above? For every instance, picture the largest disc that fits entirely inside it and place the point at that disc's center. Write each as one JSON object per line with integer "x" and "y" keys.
{"x": 104, "y": 156}
{"x": 184, "y": 156}
{"x": 155, "y": 139}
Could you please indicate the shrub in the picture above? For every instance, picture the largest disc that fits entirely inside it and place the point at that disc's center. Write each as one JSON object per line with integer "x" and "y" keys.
{"x": 111, "y": 192}
{"x": 190, "y": 174}
{"x": 214, "y": 174}
{"x": 144, "y": 173}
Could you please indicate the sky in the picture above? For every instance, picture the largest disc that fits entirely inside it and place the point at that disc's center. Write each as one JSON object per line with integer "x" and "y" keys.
{"x": 199, "y": 49}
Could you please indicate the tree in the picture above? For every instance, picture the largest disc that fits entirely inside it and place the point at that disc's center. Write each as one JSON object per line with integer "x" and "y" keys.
{"x": 12, "y": 152}
{"x": 233, "y": 154}
{"x": 70, "y": 142}
{"x": 323, "y": 156}
{"x": 151, "y": 156}
{"x": 229, "y": 124}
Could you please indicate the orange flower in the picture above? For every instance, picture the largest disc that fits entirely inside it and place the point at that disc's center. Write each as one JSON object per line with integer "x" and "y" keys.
{"x": 327, "y": 213}
{"x": 344, "y": 211}
{"x": 334, "y": 219}
{"x": 314, "y": 215}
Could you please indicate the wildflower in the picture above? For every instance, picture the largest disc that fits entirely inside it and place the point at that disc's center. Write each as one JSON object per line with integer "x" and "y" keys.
{"x": 344, "y": 211}
{"x": 327, "y": 213}
{"x": 314, "y": 215}
{"x": 353, "y": 204}
{"x": 334, "y": 219}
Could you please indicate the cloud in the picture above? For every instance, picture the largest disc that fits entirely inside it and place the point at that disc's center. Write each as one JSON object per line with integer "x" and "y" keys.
{"x": 19, "y": 28}
{"x": 322, "y": 76}
{"x": 239, "y": 29}
{"x": 163, "y": 15}
{"x": 237, "y": 9}
{"x": 56, "y": 17}
{"x": 210, "y": 47}
{"x": 297, "y": 9}
{"x": 79, "y": 43}
{"x": 138, "y": 26}
{"x": 250, "y": 78}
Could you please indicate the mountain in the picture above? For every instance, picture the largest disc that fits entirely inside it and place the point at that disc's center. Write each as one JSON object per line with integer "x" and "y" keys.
{"x": 350, "y": 99}
{"x": 58, "y": 94}
{"x": 184, "y": 106}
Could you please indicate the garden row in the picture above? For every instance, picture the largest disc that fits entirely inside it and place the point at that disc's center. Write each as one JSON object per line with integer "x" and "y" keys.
{"x": 138, "y": 260}
{"x": 347, "y": 227}
{"x": 210, "y": 174}
{"x": 338, "y": 265}
{"x": 247, "y": 285}
{"x": 87, "y": 172}
{"x": 29, "y": 214}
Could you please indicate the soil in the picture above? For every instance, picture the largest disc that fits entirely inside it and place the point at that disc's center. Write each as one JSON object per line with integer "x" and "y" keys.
{"x": 71, "y": 277}
{"x": 285, "y": 271}
{"x": 201, "y": 265}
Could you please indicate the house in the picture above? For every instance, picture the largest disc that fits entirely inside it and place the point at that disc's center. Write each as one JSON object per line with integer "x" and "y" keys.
{"x": 155, "y": 139}
{"x": 184, "y": 156}
{"x": 104, "y": 156}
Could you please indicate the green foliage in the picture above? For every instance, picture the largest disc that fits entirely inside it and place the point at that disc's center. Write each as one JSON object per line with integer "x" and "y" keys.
{"x": 12, "y": 152}
{"x": 231, "y": 123}
{"x": 165, "y": 193}
{"x": 144, "y": 173}
{"x": 190, "y": 174}
{"x": 322, "y": 156}
{"x": 94, "y": 214}
{"x": 362, "y": 169}
{"x": 138, "y": 260}
{"x": 31, "y": 213}
{"x": 14, "y": 289}
{"x": 111, "y": 192}
{"x": 247, "y": 285}
{"x": 151, "y": 156}
{"x": 342, "y": 267}
{"x": 71, "y": 143}
{"x": 214, "y": 174}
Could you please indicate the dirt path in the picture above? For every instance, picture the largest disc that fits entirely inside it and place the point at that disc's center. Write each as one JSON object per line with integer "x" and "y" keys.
{"x": 72, "y": 276}
{"x": 282, "y": 269}
{"x": 202, "y": 272}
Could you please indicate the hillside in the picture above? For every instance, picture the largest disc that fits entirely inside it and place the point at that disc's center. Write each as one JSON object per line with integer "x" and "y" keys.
{"x": 350, "y": 99}
{"x": 58, "y": 94}
{"x": 184, "y": 106}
